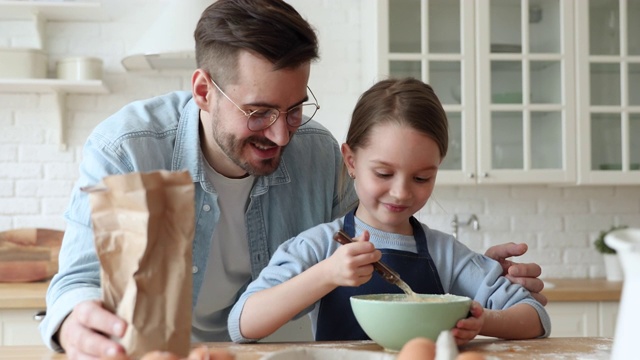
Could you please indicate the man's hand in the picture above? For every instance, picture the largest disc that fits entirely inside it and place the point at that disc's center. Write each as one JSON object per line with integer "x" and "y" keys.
{"x": 523, "y": 274}
{"x": 86, "y": 332}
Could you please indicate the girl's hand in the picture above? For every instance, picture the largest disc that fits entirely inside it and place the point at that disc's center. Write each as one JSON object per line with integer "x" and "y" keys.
{"x": 469, "y": 328}
{"x": 350, "y": 264}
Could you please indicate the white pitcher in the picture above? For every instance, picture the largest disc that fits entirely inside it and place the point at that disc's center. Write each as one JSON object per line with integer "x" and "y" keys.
{"x": 626, "y": 242}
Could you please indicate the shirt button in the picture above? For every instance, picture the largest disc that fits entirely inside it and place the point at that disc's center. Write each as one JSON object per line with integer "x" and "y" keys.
{"x": 194, "y": 269}
{"x": 206, "y": 207}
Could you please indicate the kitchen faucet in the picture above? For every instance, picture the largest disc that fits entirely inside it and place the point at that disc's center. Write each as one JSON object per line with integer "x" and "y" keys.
{"x": 473, "y": 222}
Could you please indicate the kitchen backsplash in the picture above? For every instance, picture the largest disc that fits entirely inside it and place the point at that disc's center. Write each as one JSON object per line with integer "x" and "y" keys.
{"x": 36, "y": 175}
{"x": 559, "y": 224}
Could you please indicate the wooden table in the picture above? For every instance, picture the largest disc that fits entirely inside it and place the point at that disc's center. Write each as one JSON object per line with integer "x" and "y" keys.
{"x": 552, "y": 348}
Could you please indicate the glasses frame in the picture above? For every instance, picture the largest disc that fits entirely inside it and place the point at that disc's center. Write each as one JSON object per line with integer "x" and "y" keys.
{"x": 277, "y": 111}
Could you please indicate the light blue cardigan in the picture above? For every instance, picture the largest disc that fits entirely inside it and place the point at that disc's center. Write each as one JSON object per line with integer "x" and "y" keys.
{"x": 461, "y": 271}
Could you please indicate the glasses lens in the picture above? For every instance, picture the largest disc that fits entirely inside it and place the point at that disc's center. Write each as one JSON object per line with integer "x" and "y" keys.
{"x": 301, "y": 114}
{"x": 262, "y": 118}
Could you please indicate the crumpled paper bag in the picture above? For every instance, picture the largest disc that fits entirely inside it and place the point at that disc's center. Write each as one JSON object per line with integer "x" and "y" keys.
{"x": 143, "y": 225}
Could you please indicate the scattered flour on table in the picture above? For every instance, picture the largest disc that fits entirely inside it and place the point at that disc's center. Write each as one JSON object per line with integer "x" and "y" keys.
{"x": 603, "y": 351}
{"x": 503, "y": 347}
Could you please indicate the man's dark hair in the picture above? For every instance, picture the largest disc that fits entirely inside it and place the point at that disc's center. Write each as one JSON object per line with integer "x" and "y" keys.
{"x": 272, "y": 29}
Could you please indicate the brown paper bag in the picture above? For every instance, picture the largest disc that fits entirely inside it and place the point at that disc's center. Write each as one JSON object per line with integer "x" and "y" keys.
{"x": 143, "y": 225}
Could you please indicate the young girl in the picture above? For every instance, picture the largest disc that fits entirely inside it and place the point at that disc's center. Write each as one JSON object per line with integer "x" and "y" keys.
{"x": 397, "y": 139}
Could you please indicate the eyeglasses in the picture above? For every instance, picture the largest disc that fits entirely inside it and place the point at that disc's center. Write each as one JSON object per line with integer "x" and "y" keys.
{"x": 260, "y": 118}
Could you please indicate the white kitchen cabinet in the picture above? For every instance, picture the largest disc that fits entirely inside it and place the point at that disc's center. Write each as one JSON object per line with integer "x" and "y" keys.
{"x": 526, "y": 111}
{"x": 583, "y": 318}
{"x": 608, "y": 89}
{"x": 573, "y": 319}
{"x": 19, "y": 327}
{"x": 502, "y": 70}
{"x": 40, "y": 12}
{"x": 608, "y": 314}
{"x": 433, "y": 41}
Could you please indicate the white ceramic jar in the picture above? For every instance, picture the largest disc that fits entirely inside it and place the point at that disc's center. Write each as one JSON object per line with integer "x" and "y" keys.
{"x": 626, "y": 242}
{"x": 20, "y": 63}
{"x": 79, "y": 68}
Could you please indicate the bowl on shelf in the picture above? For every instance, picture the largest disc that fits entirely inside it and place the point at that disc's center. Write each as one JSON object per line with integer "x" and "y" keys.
{"x": 393, "y": 319}
{"x": 79, "y": 68}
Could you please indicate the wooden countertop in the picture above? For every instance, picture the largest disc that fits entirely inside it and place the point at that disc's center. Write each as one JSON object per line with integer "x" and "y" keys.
{"x": 31, "y": 295}
{"x": 582, "y": 290}
{"x": 551, "y": 348}
{"x": 23, "y": 295}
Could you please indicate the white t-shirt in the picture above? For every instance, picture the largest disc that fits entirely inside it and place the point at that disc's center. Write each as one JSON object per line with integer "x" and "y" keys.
{"x": 228, "y": 266}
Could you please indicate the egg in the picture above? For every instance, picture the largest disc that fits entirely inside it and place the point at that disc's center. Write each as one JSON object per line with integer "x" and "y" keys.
{"x": 203, "y": 353}
{"x": 200, "y": 353}
{"x": 418, "y": 349}
{"x": 220, "y": 354}
{"x": 159, "y": 355}
{"x": 470, "y": 355}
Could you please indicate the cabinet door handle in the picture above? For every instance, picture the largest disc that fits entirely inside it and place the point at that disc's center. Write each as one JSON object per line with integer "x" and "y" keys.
{"x": 39, "y": 315}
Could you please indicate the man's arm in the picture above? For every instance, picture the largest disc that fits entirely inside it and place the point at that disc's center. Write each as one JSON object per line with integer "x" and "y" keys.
{"x": 76, "y": 322}
{"x": 78, "y": 279}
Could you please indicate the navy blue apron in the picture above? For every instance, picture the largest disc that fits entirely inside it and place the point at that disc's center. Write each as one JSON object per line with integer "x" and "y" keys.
{"x": 335, "y": 318}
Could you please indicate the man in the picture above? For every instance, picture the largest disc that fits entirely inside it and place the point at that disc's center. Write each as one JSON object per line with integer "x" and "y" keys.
{"x": 257, "y": 184}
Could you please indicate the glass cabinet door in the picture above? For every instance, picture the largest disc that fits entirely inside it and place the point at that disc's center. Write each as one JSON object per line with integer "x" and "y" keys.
{"x": 503, "y": 70}
{"x": 609, "y": 67}
{"x": 526, "y": 115}
{"x": 432, "y": 40}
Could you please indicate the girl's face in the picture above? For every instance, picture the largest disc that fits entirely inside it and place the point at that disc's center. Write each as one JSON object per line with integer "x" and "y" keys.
{"x": 394, "y": 175}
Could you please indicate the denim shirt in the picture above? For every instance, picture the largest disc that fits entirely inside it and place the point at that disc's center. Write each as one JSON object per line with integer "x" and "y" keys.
{"x": 163, "y": 133}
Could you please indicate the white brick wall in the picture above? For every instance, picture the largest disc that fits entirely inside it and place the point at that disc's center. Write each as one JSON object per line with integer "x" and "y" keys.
{"x": 559, "y": 224}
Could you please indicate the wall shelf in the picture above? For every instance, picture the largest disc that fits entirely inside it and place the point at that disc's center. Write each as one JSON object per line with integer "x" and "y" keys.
{"x": 51, "y": 10}
{"x": 60, "y": 89}
{"x": 42, "y": 11}
{"x": 52, "y": 85}
{"x": 39, "y": 12}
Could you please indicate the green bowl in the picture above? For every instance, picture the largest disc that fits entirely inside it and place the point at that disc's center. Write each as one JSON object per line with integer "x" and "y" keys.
{"x": 393, "y": 319}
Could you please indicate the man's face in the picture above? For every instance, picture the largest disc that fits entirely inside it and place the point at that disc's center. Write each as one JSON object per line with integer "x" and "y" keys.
{"x": 230, "y": 147}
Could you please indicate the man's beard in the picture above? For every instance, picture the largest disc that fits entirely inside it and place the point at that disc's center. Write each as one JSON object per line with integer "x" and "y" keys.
{"x": 233, "y": 148}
